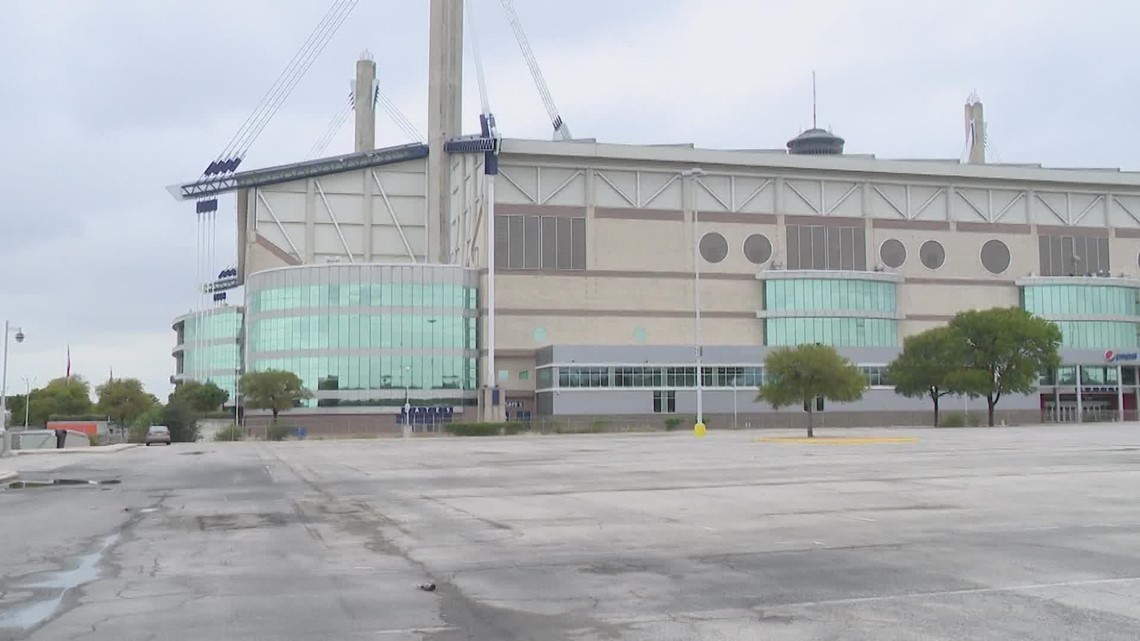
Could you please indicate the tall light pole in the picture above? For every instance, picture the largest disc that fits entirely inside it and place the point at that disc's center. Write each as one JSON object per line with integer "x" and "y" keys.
{"x": 693, "y": 174}
{"x": 6, "y": 444}
{"x": 407, "y": 399}
{"x": 28, "y": 382}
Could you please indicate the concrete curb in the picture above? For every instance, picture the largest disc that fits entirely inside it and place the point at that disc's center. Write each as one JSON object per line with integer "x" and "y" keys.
{"x": 8, "y": 476}
{"x": 97, "y": 449}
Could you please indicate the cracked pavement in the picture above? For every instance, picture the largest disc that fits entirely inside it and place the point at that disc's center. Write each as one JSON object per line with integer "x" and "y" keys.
{"x": 1010, "y": 533}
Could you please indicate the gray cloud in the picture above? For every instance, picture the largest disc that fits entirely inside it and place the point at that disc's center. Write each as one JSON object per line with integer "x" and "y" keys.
{"x": 106, "y": 103}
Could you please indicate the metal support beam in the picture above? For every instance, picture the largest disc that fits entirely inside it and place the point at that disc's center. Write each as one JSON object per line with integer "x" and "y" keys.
{"x": 392, "y": 213}
{"x": 332, "y": 217}
{"x": 279, "y": 225}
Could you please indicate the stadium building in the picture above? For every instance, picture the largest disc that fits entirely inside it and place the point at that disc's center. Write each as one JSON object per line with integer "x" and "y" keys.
{"x": 399, "y": 276}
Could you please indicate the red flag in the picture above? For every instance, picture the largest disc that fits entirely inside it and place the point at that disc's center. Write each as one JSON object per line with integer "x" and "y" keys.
{"x": 69, "y": 362}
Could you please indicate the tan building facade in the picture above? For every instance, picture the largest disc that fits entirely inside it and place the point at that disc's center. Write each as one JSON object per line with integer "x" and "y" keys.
{"x": 605, "y": 246}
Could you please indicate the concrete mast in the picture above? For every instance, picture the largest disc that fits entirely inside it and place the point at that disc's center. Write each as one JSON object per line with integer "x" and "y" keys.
{"x": 445, "y": 96}
{"x": 364, "y": 103}
{"x": 976, "y": 121}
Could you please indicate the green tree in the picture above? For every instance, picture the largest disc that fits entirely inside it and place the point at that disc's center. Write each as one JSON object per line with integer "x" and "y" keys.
{"x": 182, "y": 421}
{"x": 1005, "y": 351}
{"x": 138, "y": 428}
{"x": 795, "y": 375}
{"x": 273, "y": 389}
{"x": 16, "y": 405}
{"x": 60, "y": 397}
{"x": 124, "y": 399}
{"x": 930, "y": 365}
{"x": 201, "y": 397}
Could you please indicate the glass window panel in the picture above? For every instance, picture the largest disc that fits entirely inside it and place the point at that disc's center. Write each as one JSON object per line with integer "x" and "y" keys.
{"x": 1102, "y": 251}
{"x": 1043, "y": 256}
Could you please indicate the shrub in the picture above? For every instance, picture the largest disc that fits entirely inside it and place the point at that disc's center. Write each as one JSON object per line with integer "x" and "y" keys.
{"x": 279, "y": 432}
{"x": 958, "y": 419}
{"x": 137, "y": 432}
{"x": 231, "y": 433}
{"x": 476, "y": 429}
{"x": 672, "y": 423}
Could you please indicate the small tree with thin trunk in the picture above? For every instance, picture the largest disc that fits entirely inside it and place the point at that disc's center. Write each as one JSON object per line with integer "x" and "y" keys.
{"x": 272, "y": 389}
{"x": 1005, "y": 351}
{"x": 799, "y": 375}
{"x": 930, "y": 365}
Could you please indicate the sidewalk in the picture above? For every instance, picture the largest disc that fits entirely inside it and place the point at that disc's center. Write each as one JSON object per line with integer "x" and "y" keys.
{"x": 95, "y": 449}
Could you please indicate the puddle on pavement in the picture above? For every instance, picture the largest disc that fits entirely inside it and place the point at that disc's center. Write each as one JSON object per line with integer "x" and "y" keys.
{"x": 26, "y": 485}
{"x": 52, "y": 587}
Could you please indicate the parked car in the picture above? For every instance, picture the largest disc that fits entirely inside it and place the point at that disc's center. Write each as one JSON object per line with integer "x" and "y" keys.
{"x": 158, "y": 434}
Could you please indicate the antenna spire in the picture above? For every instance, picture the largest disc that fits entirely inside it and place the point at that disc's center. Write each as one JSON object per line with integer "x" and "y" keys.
{"x": 813, "y": 125}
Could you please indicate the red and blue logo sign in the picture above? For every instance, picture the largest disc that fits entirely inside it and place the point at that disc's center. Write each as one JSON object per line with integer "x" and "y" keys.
{"x": 1113, "y": 357}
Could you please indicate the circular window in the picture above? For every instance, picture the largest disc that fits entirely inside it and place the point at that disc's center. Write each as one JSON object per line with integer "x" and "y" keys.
{"x": 713, "y": 247}
{"x": 892, "y": 253}
{"x": 931, "y": 254}
{"x": 995, "y": 256}
{"x": 757, "y": 249}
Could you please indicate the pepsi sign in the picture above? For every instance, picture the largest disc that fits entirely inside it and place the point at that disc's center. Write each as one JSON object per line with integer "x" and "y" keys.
{"x": 1115, "y": 357}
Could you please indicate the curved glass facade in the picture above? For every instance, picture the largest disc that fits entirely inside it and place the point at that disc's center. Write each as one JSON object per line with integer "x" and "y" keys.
{"x": 208, "y": 347}
{"x": 367, "y": 335}
{"x": 805, "y": 312}
{"x": 1075, "y": 309}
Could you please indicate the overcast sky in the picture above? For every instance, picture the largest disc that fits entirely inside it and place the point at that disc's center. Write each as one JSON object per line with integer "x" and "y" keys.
{"x": 105, "y": 102}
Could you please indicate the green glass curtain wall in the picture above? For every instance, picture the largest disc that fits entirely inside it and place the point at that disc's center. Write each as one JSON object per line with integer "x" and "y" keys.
{"x": 366, "y": 327}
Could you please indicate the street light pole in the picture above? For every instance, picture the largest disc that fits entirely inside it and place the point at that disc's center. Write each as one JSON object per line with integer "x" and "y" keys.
{"x": 28, "y": 399}
{"x": 6, "y": 441}
{"x": 693, "y": 174}
{"x": 407, "y": 399}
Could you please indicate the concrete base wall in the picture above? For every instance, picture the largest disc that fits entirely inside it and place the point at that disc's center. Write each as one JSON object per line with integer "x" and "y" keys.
{"x": 340, "y": 424}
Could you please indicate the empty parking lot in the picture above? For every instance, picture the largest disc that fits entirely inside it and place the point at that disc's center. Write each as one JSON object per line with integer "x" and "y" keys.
{"x": 1005, "y": 533}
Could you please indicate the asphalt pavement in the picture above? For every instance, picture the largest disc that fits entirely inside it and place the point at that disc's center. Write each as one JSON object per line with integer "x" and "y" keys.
{"x": 1005, "y": 533}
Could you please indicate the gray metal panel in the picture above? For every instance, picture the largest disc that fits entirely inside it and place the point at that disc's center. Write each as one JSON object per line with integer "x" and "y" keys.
{"x": 792, "y": 251}
{"x": 578, "y": 243}
{"x": 533, "y": 243}
{"x": 515, "y": 242}
{"x": 550, "y": 243}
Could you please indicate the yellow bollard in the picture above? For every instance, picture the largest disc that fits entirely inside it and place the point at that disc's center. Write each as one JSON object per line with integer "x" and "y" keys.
{"x": 699, "y": 430}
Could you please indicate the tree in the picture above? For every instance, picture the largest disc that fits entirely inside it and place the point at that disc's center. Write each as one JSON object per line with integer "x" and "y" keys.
{"x": 16, "y": 405}
{"x": 273, "y": 390}
{"x": 795, "y": 375}
{"x": 182, "y": 421}
{"x": 60, "y": 397}
{"x": 930, "y": 365}
{"x": 1005, "y": 351}
{"x": 124, "y": 399}
{"x": 201, "y": 397}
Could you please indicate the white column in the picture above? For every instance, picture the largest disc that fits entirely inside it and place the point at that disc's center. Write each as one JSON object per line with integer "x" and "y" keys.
{"x": 1080, "y": 410}
{"x": 1120, "y": 393}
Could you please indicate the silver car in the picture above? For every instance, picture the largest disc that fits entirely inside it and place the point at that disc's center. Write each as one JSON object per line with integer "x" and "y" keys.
{"x": 158, "y": 434}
